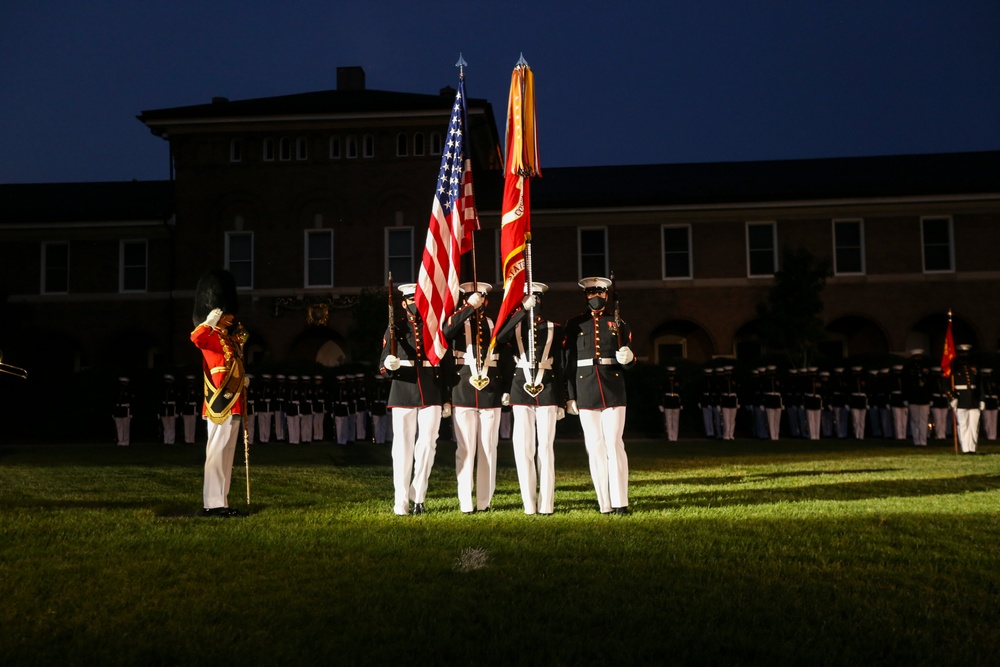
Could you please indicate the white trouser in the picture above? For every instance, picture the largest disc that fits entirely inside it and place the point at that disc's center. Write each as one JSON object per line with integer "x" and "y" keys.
{"x": 728, "y": 423}
{"x": 900, "y": 417}
{"x": 219, "y": 461}
{"x": 941, "y": 418}
{"x": 306, "y": 427}
{"x": 602, "y": 434}
{"x": 264, "y": 426}
{"x": 968, "y": 429}
{"x": 919, "y": 418}
{"x": 190, "y": 422}
{"x": 414, "y": 441}
{"x": 383, "y": 428}
{"x": 814, "y": 419}
{"x": 293, "y": 422}
{"x": 773, "y": 422}
{"x": 361, "y": 425}
{"x": 169, "y": 429}
{"x": 534, "y": 433}
{"x": 989, "y": 419}
{"x": 858, "y": 422}
{"x": 123, "y": 425}
{"x": 672, "y": 420}
{"x": 318, "y": 418}
{"x": 476, "y": 445}
{"x": 708, "y": 420}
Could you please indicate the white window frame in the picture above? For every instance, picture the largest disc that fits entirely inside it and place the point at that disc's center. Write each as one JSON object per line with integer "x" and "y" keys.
{"x": 236, "y": 150}
{"x": 308, "y": 260}
{"x": 45, "y": 267}
{"x": 229, "y": 257}
{"x": 663, "y": 252}
{"x": 861, "y": 246}
{"x": 951, "y": 244}
{"x": 579, "y": 250}
{"x": 388, "y": 258}
{"x": 774, "y": 248}
{"x": 123, "y": 268}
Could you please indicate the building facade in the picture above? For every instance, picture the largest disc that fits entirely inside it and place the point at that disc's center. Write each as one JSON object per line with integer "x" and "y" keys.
{"x": 311, "y": 200}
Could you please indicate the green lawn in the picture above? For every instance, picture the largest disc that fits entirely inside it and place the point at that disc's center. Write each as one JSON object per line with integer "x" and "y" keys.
{"x": 789, "y": 552}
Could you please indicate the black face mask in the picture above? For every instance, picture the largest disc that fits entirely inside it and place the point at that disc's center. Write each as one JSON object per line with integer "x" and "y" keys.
{"x": 411, "y": 308}
{"x": 597, "y": 302}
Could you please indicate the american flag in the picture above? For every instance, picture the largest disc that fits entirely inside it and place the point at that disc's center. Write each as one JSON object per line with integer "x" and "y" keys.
{"x": 449, "y": 235}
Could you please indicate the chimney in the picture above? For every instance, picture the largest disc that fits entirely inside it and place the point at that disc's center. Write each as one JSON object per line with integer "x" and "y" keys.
{"x": 350, "y": 78}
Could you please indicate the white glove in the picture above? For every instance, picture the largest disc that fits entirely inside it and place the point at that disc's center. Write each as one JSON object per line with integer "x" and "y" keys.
{"x": 392, "y": 363}
{"x": 505, "y": 399}
{"x": 662, "y": 409}
{"x": 213, "y": 317}
{"x": 446, "y": 410}
{"x": 560, "y": 414}
{"x": 571, "y": 407}
{"x": 624, "y": 355}
{"x": 475, "y": 300}
{"x": 982, "y": 405}
{"x": 529, "y": 302}
{"x": 246, "y": 381}
{"x": 954, "y": 403}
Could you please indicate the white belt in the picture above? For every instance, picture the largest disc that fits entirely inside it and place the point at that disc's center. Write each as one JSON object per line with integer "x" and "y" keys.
{"x": 408, "y": 362}
{"x": 965, "y": 386}
{"x": 459, "y": 361}
{"x": 604, "y": 361}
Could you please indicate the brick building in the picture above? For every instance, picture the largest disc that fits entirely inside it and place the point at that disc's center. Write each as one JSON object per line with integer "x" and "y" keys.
{"x": 311, "y": 199}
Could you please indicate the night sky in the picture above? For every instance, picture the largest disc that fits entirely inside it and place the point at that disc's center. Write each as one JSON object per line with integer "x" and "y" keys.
{"x": 617, "y": 83}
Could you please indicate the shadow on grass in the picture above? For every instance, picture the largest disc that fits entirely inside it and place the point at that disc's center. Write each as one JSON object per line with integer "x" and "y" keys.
{"x": 849, "y": 491}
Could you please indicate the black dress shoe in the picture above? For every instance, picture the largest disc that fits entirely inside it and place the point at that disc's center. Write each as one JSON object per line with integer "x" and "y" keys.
{"x": 419, "y": 508}
{"x": 621, "y": 511}
{"x": 222, "y": 512}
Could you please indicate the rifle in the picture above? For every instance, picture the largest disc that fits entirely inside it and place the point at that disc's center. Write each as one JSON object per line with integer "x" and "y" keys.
{"x": 392, "y": 321}
{"x": 617, "y": 309}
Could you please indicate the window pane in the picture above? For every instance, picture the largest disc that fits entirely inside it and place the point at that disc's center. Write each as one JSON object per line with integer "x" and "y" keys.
{"x": 133, "y": 269}
{"x": 849, "y": 260}
{"x": 319, "y": 263}
{"x": 240, "y": 254}
{"x": 592, "y": 241}
{"x": 676, "y": 257}
{"x": 400, "y": 254}
{"x": 937, "y": 244}
{"x": 760, "y": 240}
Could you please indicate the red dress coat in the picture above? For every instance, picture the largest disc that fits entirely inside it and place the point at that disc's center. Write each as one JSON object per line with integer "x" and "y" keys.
{"x": 222, "y": 366}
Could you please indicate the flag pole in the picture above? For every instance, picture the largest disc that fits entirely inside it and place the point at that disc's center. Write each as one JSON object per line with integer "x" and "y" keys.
{"x": 949, "y": 344}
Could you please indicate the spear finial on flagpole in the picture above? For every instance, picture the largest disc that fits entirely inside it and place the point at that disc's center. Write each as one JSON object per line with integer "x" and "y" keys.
{"x": 461, "y": 64}
{"x": 521, "y": 62}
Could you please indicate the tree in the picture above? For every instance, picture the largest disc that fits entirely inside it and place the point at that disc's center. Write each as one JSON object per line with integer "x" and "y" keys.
{"x": 789, "y": 320}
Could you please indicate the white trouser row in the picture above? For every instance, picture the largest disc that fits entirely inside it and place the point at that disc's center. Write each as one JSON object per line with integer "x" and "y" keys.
{"x": 476, "y": 446}
{"x": 414, "y": 441}
{"x": 858, "y": 422}
{"x": 169, "y": 429}
{"x": 919, "y": 419}
{"x": 814, "y": 420}
{"x": 264, "y": 425}
{"x": 219, "y": 461}
{"x": 602, "y": 434}
{"x": 534, "y": 433}
{"x": 671, "y": 422}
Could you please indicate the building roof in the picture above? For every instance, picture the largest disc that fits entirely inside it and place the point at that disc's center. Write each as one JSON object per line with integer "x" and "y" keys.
{"x": 125, "y": 201}
{"x": 767, "y": 181}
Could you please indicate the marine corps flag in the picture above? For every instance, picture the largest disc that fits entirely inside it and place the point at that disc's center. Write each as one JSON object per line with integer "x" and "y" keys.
{"x": 522, "y": 163}
{"x": 948, "y": 355}
{"x": 449, "y": 235}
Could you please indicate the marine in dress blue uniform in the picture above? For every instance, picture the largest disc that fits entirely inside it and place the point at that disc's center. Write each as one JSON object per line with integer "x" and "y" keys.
{"x": 415, "y": 399}
{"x": 595, "y": 364}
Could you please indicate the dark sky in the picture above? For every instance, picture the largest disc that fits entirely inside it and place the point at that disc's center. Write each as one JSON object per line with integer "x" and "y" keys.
{"x": 617, "y": 83}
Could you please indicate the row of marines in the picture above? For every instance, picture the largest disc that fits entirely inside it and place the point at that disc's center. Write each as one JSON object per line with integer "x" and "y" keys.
{"x": 907, "y": 401}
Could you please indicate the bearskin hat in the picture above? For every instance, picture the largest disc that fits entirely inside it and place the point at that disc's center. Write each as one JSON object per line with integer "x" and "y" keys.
{"x": 216, "y": 289}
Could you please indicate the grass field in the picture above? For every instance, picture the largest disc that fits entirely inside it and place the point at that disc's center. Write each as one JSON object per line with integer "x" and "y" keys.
{"x": 749, "y": 552}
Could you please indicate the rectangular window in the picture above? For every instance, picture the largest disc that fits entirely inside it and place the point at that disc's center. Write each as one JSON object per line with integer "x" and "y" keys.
{"x": 132, "y": 275}
{"x": 848, "y": 247}
{"x": 762, "y": 255}
{"x": 399, "y": 254}
{"x": 55, "y": 268}
{"x": 938, "y": 242}
{"x": 676, "y": 251}
{"x": 593, "y": 252}
{"x": 319, "y": 258}
{"x": 239, "y": 258}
